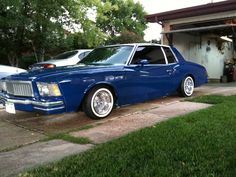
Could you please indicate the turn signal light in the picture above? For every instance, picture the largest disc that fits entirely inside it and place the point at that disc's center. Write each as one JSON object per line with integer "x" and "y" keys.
{"x": 49, "y": 66}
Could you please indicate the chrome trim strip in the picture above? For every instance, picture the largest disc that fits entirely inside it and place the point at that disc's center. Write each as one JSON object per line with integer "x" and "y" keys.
{"x": 46, "y": 104}
{"x": 36, "y": 103}
{"x": 131, "y": 55}
{"x": 163, "y": 52}
{"x": 49, "y": 109}
{"x": 18, "y": 81}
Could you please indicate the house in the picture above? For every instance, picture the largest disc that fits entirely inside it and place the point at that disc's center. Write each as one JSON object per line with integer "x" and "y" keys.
{"x": 205, "y": 34}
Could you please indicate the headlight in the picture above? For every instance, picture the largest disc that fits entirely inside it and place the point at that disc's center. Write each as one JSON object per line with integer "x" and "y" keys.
{"x": 48, "y": 89}
{"x": 3, "y": 86}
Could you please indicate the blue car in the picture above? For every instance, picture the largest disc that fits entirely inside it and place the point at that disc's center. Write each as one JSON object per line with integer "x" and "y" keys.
{"x": 107, "y": 77}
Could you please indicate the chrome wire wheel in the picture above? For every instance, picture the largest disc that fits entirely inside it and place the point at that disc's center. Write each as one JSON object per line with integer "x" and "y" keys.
{"x": 102, "y": 102}
{"x": 188, "y": 86}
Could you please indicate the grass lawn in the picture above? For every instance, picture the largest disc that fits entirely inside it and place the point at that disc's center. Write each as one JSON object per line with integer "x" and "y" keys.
{"x": 200, "y": 144}
{"x": 67, "y": 137}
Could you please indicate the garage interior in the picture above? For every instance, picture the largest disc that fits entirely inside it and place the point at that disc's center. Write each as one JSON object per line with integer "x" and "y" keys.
{"x": 204, "y": 34}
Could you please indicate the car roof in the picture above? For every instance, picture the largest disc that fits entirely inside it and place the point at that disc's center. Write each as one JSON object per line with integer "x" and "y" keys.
{"x": 78, "y": 50}
{"x": 82, "y": 50}
{"x": 136, "y": 44}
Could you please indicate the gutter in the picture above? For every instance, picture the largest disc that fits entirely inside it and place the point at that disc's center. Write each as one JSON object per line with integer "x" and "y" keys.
{"x": 205, "y": 28}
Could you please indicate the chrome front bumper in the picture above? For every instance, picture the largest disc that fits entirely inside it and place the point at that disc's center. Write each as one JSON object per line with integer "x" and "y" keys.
{"x": 31, "y": 105}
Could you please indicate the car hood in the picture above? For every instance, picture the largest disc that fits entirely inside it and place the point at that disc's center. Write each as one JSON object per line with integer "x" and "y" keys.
{"x": 59, "y": 73}
{"x": 11, "y": 69}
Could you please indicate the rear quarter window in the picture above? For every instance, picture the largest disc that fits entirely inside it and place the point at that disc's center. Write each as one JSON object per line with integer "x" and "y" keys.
{"x": 169, "y": 55}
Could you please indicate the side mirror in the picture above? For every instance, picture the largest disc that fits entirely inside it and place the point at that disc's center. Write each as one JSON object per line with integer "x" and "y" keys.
{"x": 143, "y": 62}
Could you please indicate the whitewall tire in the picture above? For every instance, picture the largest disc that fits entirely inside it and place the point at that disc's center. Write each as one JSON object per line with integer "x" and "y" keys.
{"x": 187, "y": 86}
{"x": 99, "y": 103}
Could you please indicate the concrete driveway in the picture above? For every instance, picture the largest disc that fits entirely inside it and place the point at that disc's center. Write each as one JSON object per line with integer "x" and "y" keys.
{"x": 27, "y": 128}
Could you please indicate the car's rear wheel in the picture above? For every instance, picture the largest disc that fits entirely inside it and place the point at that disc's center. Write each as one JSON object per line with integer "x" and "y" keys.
{"x": 187, "y": 86}
{"x": 99, "y": 103}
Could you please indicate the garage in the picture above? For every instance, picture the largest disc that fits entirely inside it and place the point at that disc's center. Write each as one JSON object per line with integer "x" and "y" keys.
{"x": 204, "y": 34}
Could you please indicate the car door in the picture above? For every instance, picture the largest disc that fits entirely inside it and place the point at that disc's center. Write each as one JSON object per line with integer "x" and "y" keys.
{"x": 150, "y": 80}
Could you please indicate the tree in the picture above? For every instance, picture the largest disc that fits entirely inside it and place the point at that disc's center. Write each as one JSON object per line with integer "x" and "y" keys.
{"x": 116, "y": 16}
{"x": 126, "y": 37}
{"x": 53, "y": 19}
{"x": 13, "y": 22}
{"x": 41, "y": 24}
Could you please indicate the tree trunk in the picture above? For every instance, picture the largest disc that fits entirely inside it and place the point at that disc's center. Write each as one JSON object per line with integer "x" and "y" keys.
{"x": 40, "y": 54}
{"x": 13, "y": 59}
{"x": 39, "y": 42}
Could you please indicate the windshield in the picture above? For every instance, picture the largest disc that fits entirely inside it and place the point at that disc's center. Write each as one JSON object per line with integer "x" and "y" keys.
{"x": 66, "y": 55}
{"x": 115, "y": 55}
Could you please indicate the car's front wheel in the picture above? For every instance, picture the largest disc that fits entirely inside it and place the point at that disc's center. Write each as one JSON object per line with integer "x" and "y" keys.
{"x": 99, "y": 103}
{"x": 187, "y": 86}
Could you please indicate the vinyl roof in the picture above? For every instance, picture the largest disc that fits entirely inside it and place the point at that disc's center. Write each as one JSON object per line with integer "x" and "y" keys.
{"x": 206, "y": 9}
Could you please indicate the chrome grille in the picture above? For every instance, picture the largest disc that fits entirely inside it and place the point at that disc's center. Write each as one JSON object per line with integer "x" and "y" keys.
{"x": 2, "y": 86}
{"x": 19, "y": 88}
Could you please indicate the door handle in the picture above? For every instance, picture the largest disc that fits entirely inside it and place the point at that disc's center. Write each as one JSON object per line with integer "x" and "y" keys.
{"x": 169, "y": 71}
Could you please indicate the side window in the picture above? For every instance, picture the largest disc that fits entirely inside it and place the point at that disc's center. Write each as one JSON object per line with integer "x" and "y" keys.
{"x": 81, "y": 56}
{"x": 153, "y": 54}
{"x": 169, "y": 55}
{"x": 86, "y": 53}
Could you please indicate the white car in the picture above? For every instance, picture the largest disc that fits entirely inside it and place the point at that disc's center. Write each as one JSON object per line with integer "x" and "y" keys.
{"x": 9, "y": 70}
{"x": 63, "y": 59}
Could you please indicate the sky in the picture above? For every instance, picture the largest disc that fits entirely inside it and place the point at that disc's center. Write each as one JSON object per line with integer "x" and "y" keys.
{"x": 156, "y": 6}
